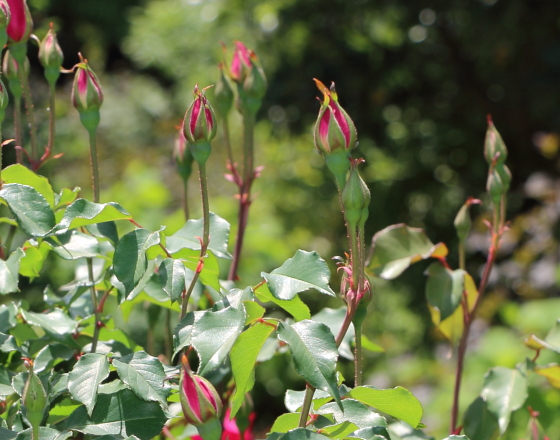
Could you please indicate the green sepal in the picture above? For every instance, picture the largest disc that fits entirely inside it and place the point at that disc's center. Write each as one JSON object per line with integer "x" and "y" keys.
{"x": 338, "y": 163}
{"x": 201, "y": 151}
{"x": 90, "y": 119}
{"x": 211, "y": 430}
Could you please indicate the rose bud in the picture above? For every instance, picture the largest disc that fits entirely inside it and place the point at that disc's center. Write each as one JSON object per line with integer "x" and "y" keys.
{"x": 223, "y": 94}
{"x": 199, "y": 399}
{"x": 51, "y": 56}
{"x": 5, "y": 16}
{"x": 199, "y": 126}
{"x": 87, "y": 95}
{"x": 182, "y": 155}
{"x": 335, "y": 134}
{"x": 494, "y": 146}
{"x": 356, "y": 197}
{"x": 19, "y": 29}
{"x": 10, "y": 71}
{"x": 247, "y": 72}
{"x": 463, "y": 222}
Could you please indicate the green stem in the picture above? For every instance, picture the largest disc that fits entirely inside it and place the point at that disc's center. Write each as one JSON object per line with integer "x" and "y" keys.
{"x": 50, "y": 147}
{"x": 18, "y": 132}
{"x": 35, "y": 432}
{"x": 95, "y": 303}
{"x": 30, "y": 113}
{"x": 9, "y": 238}
{"x": 186, "y": 210}
{"x": 227, "y": 142}
{"x": 358, "y": 356}
{"x": 248, "y": 146}
{"x": 168, "y": 336}
{"x": 309, "y": 390}
{"x": 461, "y": 252}
{"x": 94, "y": 164}
{"x": 205, "y": 237}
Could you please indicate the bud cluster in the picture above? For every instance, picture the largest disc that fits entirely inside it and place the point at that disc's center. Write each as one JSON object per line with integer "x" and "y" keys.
{"x": 495, "y": 153}
{"x": 248, "y": 74}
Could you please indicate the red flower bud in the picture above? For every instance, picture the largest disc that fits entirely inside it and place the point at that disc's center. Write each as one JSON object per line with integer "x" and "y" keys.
{"x": 241, "y": 63}
{"x": 21, "y": 23}
{"x": 51, "y": 56}
{"x": 5, "y": 16}
{"x": 334, "y": 128}
{"x": 249, "y": 76}
{"x": 10, "y": 71}
{"x": 182, "y": 155}
{"x": 199, "y": 399}
{"x": 200, "y": 121}
{"x": 87, "y": 95}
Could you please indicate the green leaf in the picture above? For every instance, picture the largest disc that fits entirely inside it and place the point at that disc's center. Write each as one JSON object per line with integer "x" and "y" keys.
{"x": 397, "y": 247}
{"x": 295, "y": 307}
{"x": 333, "y": 318}
{"x": 8, "y": 314}
{"x": 456, "y": 437}
{"x": 31, "y": 210}
{"x": 294, "y": 399}
{"x": 76, "y": 245}
{"x": 355, "y": 412}
{"x": 57, "y": 325}
{"x": 9, "y": 272}
{"x": 84, "y": 379}
{"x": 304, "y": 271}
{"x": 182, "y": 333}
{"x": 130, "y": 260}
{"x": 302, "y": 434}
{"x": 65, "y": 197}
{"x": 172, "y": 277}
{"x": 20, "y": 174}
{"x": 214, "y": 334}
{"x": 285, "y": 422}
{"x": 371, "y": 346}
{"x": 51, "y": 355}
{"x": 186, "y": 237}
{"x": 479, "y": 423}
{"x": 144, "y": 375}
{"x": 44, "y": 434}
{"x": 83, "y": 212}
{"x": 7, "y": 434}
{"x": 32, "y": 263}
{"x": 403, "y": 431}
{"x": 504, "y": 391}
{"x": 338, "y": 431}
{"x": 444, "y": 289}
{"x": 106, "y": 230}
{"x": 551, "y": 372}
{"x": 243, "y": 358}
{"x": 121, "y": 414}
{"x": 253, "y": 311}
{"x": 210, "y": 273}
{"x": 397, "y": 402}
{"x": 315, "y": 353}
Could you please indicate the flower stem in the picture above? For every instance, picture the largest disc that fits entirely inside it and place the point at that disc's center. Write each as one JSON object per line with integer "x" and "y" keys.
{"x": 17, "y": 128}
{"x": 358, "y": 356}
{"x": 205, "y": 237}
{"x": 95, "y": 302}
{"x": 186, "y": 210}
{"x": 50, "y": 147}
{"x": 94, "y": 164}
{"x": 244, "y": 189}
{"x": 30, "y": 113}
{"x": 227, "y": 142}
{"x": 468, "y": 320}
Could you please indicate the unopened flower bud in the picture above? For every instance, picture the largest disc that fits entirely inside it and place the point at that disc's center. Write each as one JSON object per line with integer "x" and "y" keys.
{"x": 247, "y": 72}
{"x": 463, "y": 221}
{"x": 51, "y": 56}
{"x": 505, "y": 175}
{"x": 199, "y": 126}
{"x": 199, "y": 399}
{"x": 87, "y": 95}
{"x": 5, "y": 16}
{"x": 356, "y": 197}
{"x": 10, "y": 71}
{"x": 494, "y": 146}
{"x": 335, "y": 133}
{"x": 495, "y": 186}
{"x": 223, "y": 94}
{"x": 182, "y": 155}
{"x": 21, "y": 23}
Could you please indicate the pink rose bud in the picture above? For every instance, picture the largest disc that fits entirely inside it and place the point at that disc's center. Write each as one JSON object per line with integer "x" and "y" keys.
{"x": 199, "y": 399}
{"x": 335, "y": 134}
{"x": 182, "y": 155}
{"x": 51, "y": 56}
{"x": 21, "y": 23}
{"x": 87, "y": 95}
{"x": 5, "y": 16}
{"x": 199, "y": 126}
{"x": 10, "y": 71}
{"x": 247, "y": 72}
{"x": 334, "y": 128}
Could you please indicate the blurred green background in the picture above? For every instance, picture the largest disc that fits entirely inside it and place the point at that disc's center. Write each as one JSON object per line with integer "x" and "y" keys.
{"x": 417, "y": 77}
